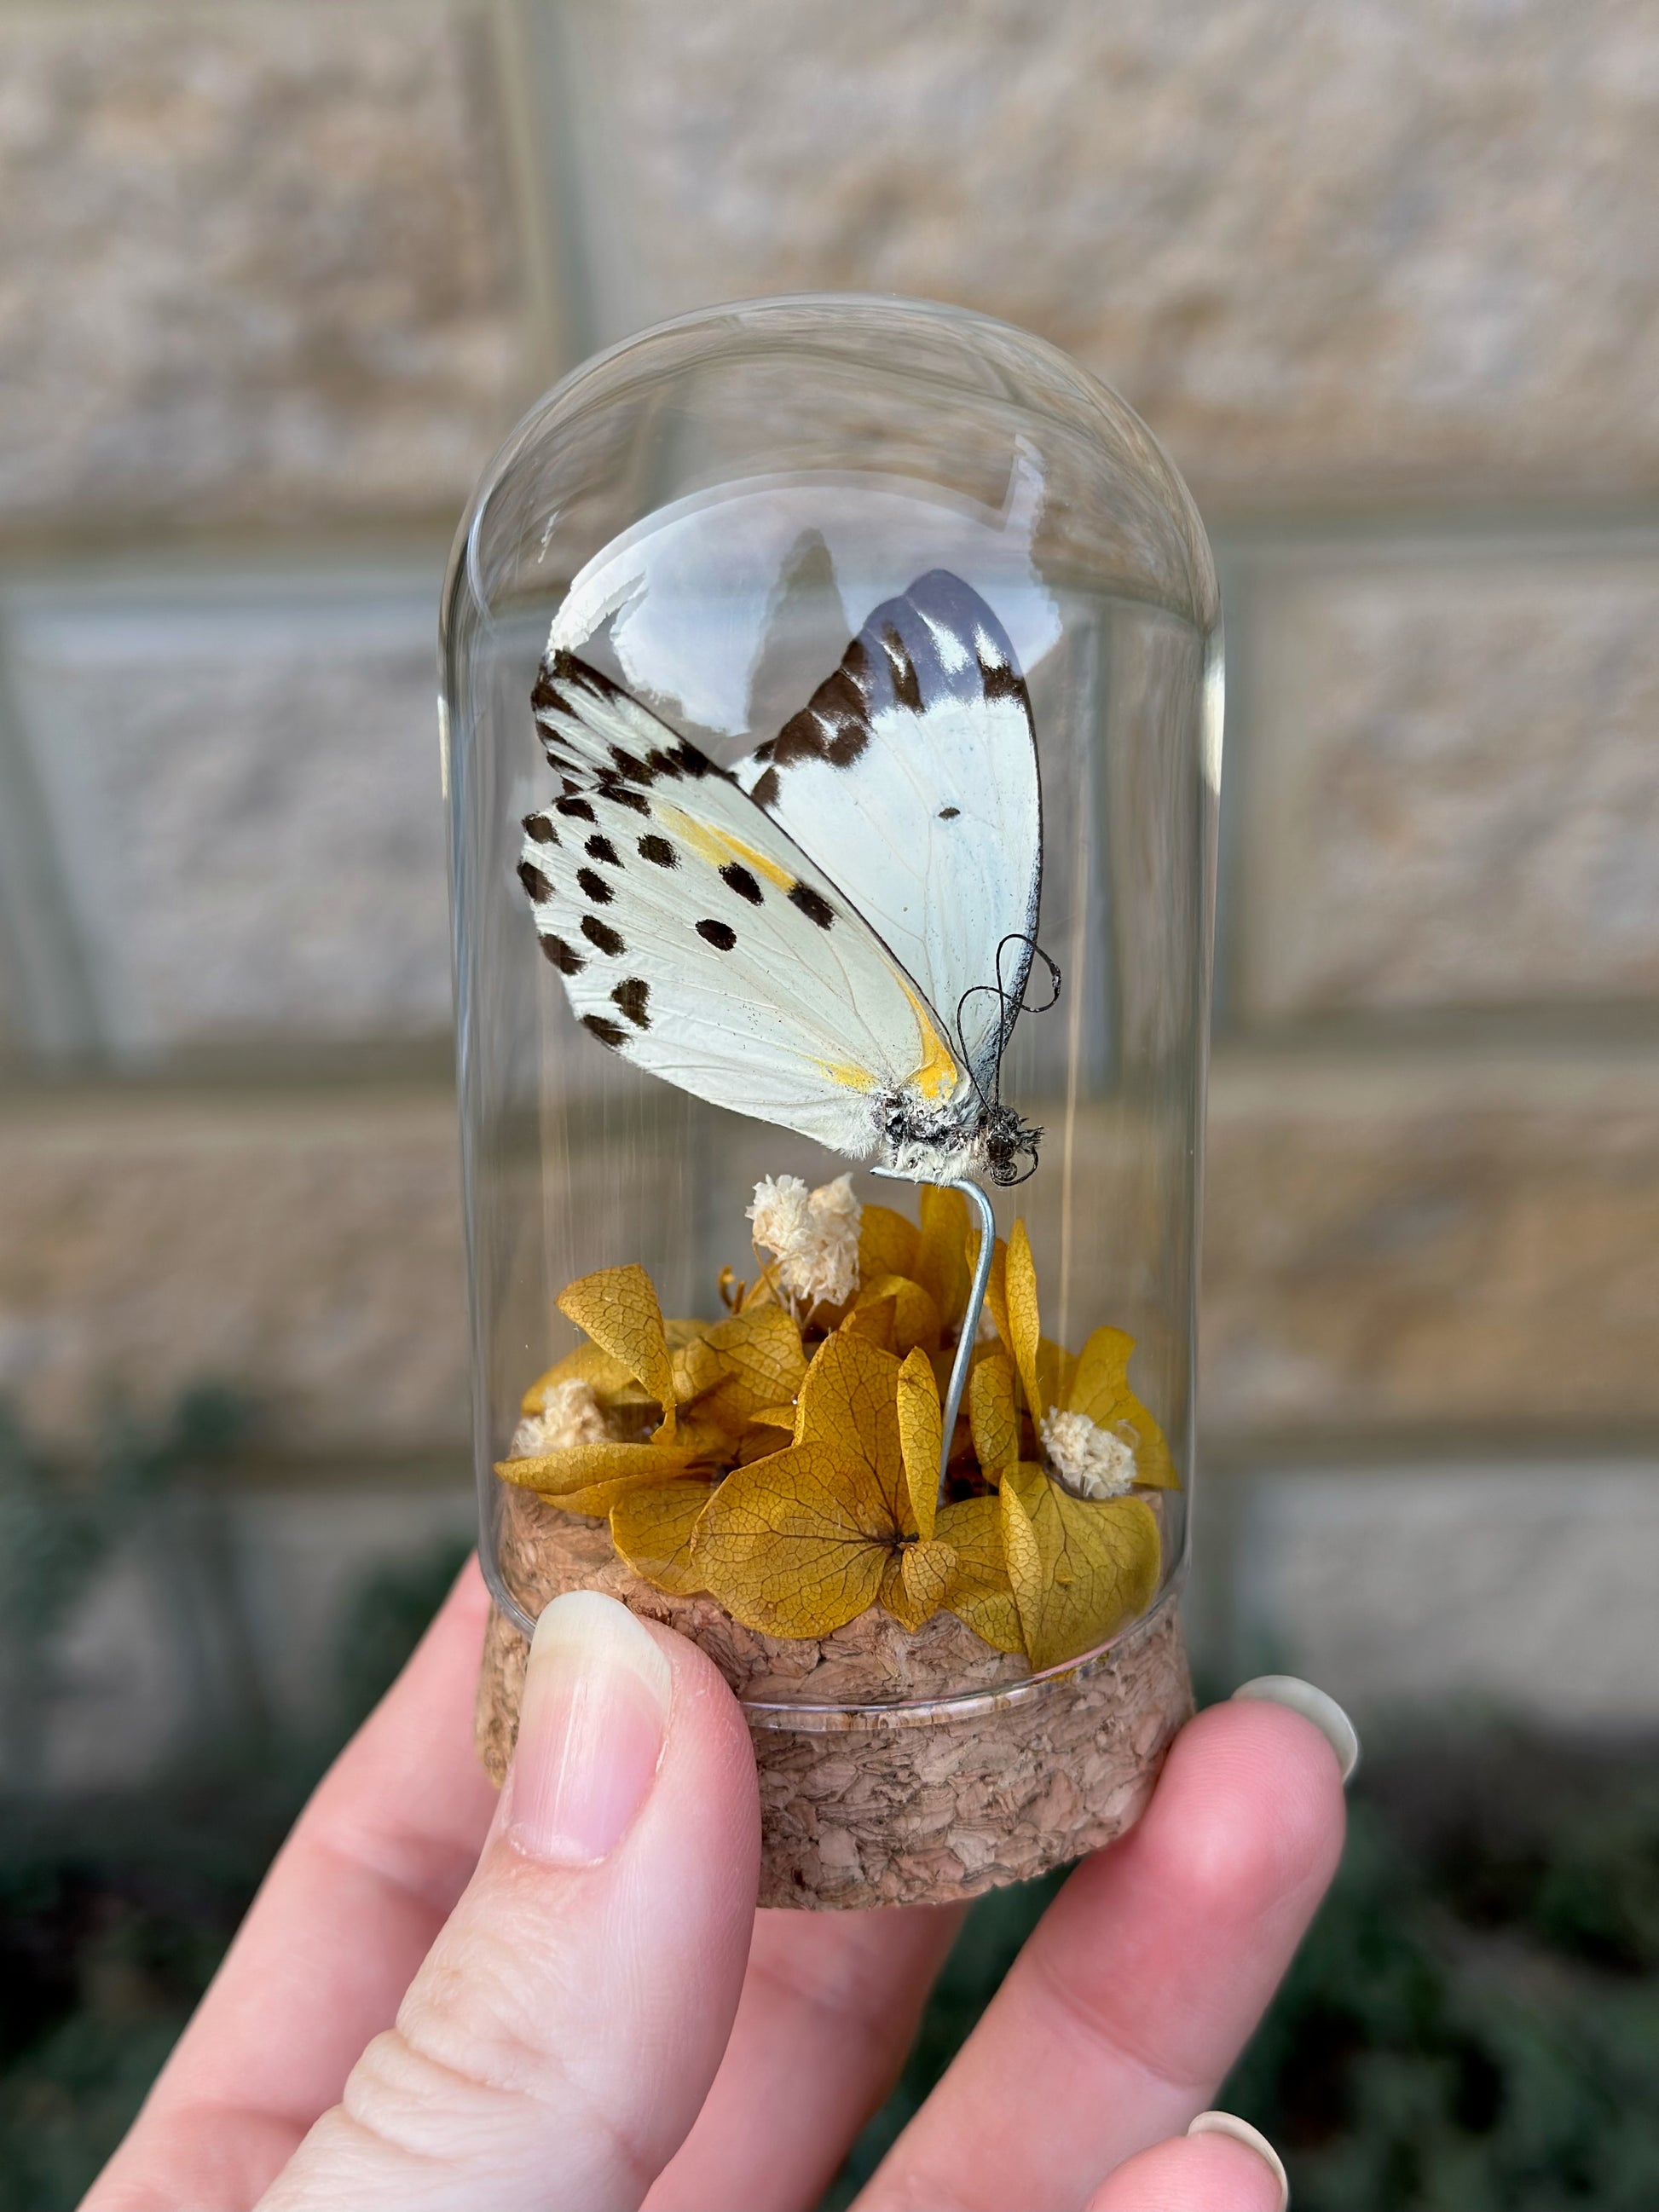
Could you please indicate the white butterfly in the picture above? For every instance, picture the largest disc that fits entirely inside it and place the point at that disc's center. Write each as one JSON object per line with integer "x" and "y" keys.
{"x": 836, "y": 935}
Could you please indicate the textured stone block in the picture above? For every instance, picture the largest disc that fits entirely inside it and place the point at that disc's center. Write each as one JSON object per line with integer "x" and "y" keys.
{"x": 253, "y": 261}
{"x": 1448, "y": 782}
{"x": 1420, "y": 1245}
{"x": 1323, "y": 251}
{"x": 242, "y": 793}
{"x": 1528, "y": 1589}
{"x": 308, "y": 1252}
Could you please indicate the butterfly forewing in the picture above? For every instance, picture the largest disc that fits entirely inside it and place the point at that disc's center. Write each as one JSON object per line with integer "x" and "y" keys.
{"x": 911, "y": 777}
{"x": 697, "y": 938}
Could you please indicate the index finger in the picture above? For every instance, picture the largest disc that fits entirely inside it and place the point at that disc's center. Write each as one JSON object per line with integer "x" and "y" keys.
{"x": 348, "y": 1909}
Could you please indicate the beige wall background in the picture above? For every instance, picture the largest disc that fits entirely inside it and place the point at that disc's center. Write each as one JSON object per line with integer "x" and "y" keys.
{"x": 274, "y": 277}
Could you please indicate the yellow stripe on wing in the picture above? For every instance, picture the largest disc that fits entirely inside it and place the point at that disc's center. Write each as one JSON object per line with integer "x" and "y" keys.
{"x": 720, "y": 846}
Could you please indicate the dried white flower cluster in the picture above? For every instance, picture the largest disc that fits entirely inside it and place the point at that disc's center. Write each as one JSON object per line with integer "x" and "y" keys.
{"x": 1088, "y": 1459}
{"x": 572, "y": 1415}
{"x": 813, "y": 1235}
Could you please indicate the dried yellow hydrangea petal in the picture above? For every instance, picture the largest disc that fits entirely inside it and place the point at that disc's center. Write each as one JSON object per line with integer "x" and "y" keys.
{"x": 979, "y": 1591}
{"x": 921, "y": 1433}
{"x": 590, "y": 1478}
{"x": 1025, "y": 1327}
{"x": 849, "y": 1402}
{"x": 872, "y": 1323}
{"x": 996, "y": 1293}
{"x": 915, "y": 1316}
{"x": 1079, "y": 1569}
{"x": 796, "y": 1543}
{"x": 608, "y": 1377}
{"x": 1100, "y": 1389}
{"x": 914, "y": 1584}
{"x": 617, "y": 1308}
{"x": 942, "y": 1266}
{"x": 992, "y": 1413}
{"x": 763, "y": 1362}
{"x": 1056, "y": 1368}
{"x": 887, "y": 1245}
{"x": 652, "y": 1528}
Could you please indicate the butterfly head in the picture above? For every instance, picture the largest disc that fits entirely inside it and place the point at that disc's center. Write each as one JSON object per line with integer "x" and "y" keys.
{"x": 1003, "y": 1140}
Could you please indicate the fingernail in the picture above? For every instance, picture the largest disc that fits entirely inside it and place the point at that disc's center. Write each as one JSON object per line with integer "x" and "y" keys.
{"x": 592, "y": 1724}
{"x": 1327, "y": 1715}
{"x": 1229, "y": 2124}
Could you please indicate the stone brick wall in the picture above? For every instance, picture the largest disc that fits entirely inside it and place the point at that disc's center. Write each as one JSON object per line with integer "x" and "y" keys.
{"x": 275, "y": 276}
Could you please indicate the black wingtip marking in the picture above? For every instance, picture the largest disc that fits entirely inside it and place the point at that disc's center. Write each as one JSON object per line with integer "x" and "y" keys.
{"x": 632, "y": 997}
{"x": 738, "y": 878}
{"x": 574, "y": 810}
{"x": 812, "y": 904}
{"x": 534, "y": 881}
{"x": 623, "y": 794}
{"x": 720, "y": 934}
{"x": 659, "y": 851}
{"x": 538, "y": 826}
{"x": 907, "y": 685}
{"x": 606, "y": 1030}
{"x": 601, "y": 935}
{"x": 765, "y": 794}
{"x": 565, "y": 957}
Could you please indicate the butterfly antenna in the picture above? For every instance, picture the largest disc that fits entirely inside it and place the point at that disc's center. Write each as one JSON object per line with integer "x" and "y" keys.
{"x": 962, "y": 1042}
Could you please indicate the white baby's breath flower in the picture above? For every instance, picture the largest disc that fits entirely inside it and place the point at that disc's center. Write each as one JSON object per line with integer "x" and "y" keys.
{"x": 572, "y": 1415}
{"x": 1089, "y": 1460}
{"x": 813, "y": 1235}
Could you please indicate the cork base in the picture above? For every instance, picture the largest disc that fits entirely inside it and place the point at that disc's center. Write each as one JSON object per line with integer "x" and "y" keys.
{"x": 894, "y": 1769}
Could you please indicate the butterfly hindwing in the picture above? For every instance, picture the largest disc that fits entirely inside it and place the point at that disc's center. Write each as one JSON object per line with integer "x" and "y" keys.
{"x": 911, "y": 777}
{"x": 695, "y": 938}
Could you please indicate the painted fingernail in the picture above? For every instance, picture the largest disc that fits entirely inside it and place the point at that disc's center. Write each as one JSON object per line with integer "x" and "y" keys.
{"x": 1327, "y": 1715}
{"x": 591, "y": 1725}
{"x": 1229, "y": 2124}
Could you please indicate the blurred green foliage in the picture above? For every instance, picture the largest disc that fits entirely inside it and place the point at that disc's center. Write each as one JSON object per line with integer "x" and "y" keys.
{"x": 1473, "y": 2023}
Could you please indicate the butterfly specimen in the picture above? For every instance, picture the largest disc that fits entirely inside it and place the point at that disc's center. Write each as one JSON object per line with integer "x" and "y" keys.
{"x": 833, "y": 935}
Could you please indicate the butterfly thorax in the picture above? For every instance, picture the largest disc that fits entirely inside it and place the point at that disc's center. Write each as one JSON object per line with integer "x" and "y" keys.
{"x": 963, "y": 1137}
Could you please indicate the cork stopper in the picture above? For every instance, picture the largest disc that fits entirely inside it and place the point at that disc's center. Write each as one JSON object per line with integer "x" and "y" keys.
{"x": 896, "y": 1768}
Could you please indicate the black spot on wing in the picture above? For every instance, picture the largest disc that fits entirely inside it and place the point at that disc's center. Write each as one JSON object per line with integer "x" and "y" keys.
{"x": 538, "y": 827}
{"x": 949, "y": 813}
{"x": 812, "y": 904}
{"x": 565, "y": 957}
{"x": 601, "y": 934}
{"x": 737, "y": 878}
{"x": 534, "y": 881}
{"x": 659, "y": 851}
{"x": 600, "y": 847}
{"x": 595, "y": 886}
{"x": 632, "y": 996}
{"x": 720, "y": 934}
{"x": 606, "y": 1030}
{"x": 765, "y": 793}
{"x": 574, "y": 810}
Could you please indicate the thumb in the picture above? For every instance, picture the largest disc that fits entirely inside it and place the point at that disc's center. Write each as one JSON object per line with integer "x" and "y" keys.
{"x": 560, "y": 2037}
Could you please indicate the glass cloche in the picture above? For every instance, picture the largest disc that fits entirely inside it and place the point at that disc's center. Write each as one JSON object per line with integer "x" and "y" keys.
{"x": 832, "y": 741}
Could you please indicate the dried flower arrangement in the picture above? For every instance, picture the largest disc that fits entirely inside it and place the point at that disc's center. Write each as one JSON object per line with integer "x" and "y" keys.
{"x": 789, "y": 1459}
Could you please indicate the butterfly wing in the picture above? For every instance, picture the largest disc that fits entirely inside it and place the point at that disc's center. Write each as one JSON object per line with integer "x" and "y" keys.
{"x": 911, "y": 777}
{"x": 696, "y": 939}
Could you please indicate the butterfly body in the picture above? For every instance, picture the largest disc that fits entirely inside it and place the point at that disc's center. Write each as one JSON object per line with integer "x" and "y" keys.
{"x": 858, "y": 1001}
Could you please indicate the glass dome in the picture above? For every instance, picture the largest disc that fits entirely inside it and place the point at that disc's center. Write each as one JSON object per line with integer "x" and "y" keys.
{"x": 832, "y": 739}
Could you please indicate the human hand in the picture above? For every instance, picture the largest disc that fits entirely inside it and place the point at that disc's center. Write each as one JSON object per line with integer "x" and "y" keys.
{"x": 568, "y": 2000}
